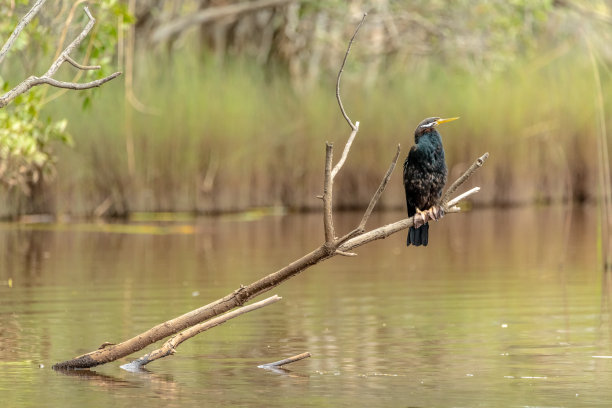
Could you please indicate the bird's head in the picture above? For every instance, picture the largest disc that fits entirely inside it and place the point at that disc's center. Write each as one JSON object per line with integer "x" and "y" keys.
{"x": 428, "y": 125}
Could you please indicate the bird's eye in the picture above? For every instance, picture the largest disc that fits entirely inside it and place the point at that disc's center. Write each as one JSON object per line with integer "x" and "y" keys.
{"x": 427, "y": 125}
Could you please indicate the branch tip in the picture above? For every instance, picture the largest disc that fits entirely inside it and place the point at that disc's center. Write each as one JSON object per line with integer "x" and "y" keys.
{"x": 348, "y": 50}
{"x": 86, "y": 8}
{"x": 343, "y": 253}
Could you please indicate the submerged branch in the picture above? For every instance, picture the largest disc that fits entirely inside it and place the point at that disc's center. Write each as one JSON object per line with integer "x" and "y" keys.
{"x": 170, "y": 346}
{"x": 286, "y": 361}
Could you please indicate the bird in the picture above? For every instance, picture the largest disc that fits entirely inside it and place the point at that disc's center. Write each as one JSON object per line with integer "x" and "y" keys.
{"x": 425, "y": 175}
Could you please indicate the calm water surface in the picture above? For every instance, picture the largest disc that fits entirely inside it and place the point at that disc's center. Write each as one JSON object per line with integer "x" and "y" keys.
{"x": 505, "y": 308}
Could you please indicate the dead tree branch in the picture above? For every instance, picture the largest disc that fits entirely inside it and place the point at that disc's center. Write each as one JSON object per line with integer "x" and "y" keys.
{"x": 19, "y": 28}
{"x": 47, "y": 77}
{"x": 475, "y": 166}
{"x": 285, "y": 361}
{"x": 379, "y": 192}
{"x": 169, "y": 347}
{"x": 328, "y": 249}
{"x": 328, "y": 182}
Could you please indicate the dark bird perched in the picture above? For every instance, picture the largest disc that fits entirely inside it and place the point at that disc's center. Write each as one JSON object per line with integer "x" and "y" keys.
{"x": 424, "y": 178}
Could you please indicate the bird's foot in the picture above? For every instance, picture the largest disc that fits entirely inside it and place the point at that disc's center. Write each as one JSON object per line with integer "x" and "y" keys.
{"x": 420, "y": 218}
{"x": 435, "y": 212}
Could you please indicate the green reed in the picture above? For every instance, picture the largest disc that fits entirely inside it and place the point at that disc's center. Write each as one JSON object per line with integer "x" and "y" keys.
{"x": 233, "y": 136}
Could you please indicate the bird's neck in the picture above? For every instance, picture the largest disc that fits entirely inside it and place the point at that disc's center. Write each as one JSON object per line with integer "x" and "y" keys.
{"x": 431, "y": 138}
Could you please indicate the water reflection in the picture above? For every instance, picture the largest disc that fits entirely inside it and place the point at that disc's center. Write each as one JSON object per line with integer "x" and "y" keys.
{"x": 504, "y": 308}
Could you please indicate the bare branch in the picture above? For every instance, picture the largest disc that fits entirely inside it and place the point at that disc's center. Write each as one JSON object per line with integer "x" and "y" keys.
{"x": 169, "y": 347}
{"x": 79, "y": 66}
{"x": 379, "y": 192}
{"x": 475, "y": 166}
{"x": 20, "y": 26}
{"x": 328, "y": 221}
{"x": 286, "y": 361}
{"x": 75, "y": 43}
{"x": 338, "y": 252}
{"x": 347, "y": 148}
{"x": 460, "y": 197}
{"x": 33, "y": 81}
{"x": 348, "y": 49}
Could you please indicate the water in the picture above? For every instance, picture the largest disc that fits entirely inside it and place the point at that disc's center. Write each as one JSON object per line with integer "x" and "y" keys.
{"x": 505, "y": 308}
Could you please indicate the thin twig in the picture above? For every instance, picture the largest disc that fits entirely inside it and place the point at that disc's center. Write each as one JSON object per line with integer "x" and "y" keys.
{"x": 348, "y": 49}
{"x": 349, "y": 235}
{"x": 169, "y": 347}
{"x": 345, "y": 152}
{"x": 328, "y": 218}
{"x": 379, "y": 192}
{"x": 286, "y": 361}
{"x": 477, "y": 164}
{"x": 75, "y": 43}
{"x": 81, "y": 66}
{"x": 338, "y": 252}
{"x": 33, "y": 81}
{"x": 20, "y": 26}
{"x": 454, "y": 201}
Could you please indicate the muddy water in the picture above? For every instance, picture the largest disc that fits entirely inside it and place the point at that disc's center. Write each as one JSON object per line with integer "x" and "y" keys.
{"x": 504, "y": 308}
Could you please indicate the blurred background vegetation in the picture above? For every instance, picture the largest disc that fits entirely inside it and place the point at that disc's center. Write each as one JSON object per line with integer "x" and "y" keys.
{"x": 226, "y": 105}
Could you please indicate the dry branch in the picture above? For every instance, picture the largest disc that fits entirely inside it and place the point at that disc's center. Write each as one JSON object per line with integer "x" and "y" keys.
{"x": 475, "y": 166}
{"x": 379, "y": 192}
{"x": 19, "y": 28}
{"x": 169, "y": 347}
{"x": 328, "y": 182}
{"x": 47, "y": 77}
{"x": 328, "y": 249}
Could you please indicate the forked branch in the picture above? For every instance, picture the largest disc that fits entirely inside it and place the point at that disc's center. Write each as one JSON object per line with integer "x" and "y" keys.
{"x": 19, "y": 28}
{"x": 47, "y": 77}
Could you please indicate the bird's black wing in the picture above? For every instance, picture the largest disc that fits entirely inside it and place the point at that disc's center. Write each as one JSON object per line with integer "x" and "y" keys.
{"x": 409, "y": 175}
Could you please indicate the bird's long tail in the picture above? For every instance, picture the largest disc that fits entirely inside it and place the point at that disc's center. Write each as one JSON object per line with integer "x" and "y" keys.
{"x": 418, "y": 236}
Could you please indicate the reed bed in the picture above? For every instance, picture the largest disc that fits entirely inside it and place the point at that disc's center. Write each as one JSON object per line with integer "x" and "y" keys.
{"x": 236, "y": 136}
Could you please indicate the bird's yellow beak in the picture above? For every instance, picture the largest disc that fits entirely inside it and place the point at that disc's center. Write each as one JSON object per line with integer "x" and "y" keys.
{"x": 440, "y": 121}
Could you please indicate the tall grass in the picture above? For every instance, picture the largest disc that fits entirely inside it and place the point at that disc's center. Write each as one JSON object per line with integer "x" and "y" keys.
{"x": 234, "y": 136}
